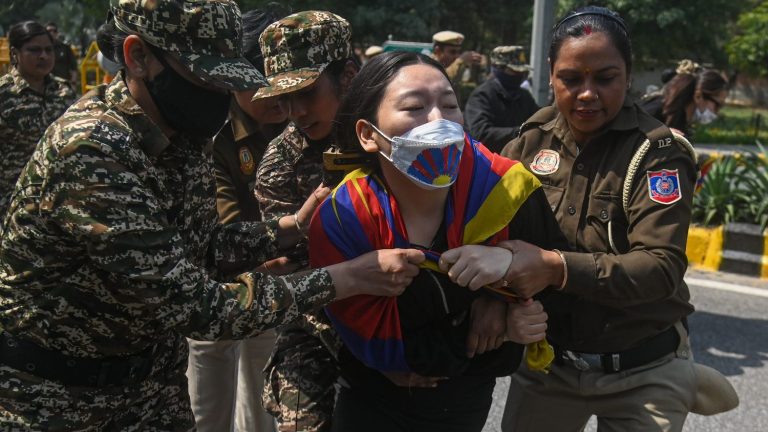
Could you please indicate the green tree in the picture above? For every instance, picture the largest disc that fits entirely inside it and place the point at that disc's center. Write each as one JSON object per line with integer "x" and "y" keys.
{"x": 485, "y": 24}
{"x": 664, "y": 32}
{"x": 748, "y": 50}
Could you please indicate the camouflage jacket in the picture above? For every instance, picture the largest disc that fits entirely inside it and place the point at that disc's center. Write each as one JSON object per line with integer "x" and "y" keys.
{"x": 292, "y": 167}
{"x": 111, "y": 234}
{"x": 24, "y": 116}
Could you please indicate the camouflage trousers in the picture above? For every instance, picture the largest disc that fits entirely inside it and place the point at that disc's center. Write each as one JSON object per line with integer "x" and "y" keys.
{"x": 159, "y": 403}
{"x": 300, "y": 377}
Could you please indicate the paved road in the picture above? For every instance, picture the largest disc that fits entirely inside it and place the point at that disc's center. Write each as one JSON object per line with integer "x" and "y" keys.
{"x": 729, "y": 332}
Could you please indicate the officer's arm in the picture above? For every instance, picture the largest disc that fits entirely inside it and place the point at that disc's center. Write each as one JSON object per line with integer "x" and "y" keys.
{"x": 97, "y": 201}
{"x": 653, "y": 267}
{"x": 481, "y": 119}
{"x": 275, "y": 187}
{"x": 227, "y": 203}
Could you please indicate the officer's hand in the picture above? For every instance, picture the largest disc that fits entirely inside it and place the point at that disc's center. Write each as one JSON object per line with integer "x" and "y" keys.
{"x": 471, "y": 57}
{"x": 526, "y": 322}
{"x": 383, "y": 272}
{"x": 474, "y": 266}
{"x": 304, "y": 215}
{"x": 410, "y": 379}
{"x": 532, "y": 269}
{"x": 487, "y": 326}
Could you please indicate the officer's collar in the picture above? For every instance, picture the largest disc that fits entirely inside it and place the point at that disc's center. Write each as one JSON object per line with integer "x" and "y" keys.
{"x": 152, "y": 139}
{"x": 242, "y": 124}
{"x": 21, "y": 84}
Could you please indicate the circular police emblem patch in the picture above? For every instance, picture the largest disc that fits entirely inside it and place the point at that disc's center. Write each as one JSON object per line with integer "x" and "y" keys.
{"x": 247, "y": 164}
{"x": 545, "y": 162}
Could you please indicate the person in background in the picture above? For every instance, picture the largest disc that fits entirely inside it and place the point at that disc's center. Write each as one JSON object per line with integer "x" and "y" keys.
{"x": 225, "y": 377}
{"x": 31, "y": 98}
{"x": 462, "y": 67}
{"x": 110, "y": 253}
{"x": 498, "y": 107}
{"x": 65, "y": 66}
{"x": 621, "y": 186}
{"x": 693, "y": 96}
{"x": 309, "y": 63}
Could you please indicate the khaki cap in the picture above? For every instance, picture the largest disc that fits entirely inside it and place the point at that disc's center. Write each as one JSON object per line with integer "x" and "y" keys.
{"x": 448, "y": 37}
{"x": 373, "y": 51}
{"x": 205, "y": 35}
{"x": 299, "y": 47}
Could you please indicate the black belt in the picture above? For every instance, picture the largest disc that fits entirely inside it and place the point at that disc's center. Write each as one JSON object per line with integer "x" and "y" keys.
{"x": 650, "y": 350}
{"x": 74, "y": 371}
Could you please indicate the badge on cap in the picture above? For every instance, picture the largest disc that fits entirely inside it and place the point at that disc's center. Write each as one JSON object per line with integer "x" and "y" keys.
{"x": 664, "y": 186}
{"x": 545, "y": 162}
{"x": 247, "y": 165}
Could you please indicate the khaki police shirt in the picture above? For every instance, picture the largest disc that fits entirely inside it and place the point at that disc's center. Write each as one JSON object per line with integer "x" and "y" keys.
{"x": 625, "y": 271}
{"x": 237, "y": 151}
{"x": 113, "y": 237}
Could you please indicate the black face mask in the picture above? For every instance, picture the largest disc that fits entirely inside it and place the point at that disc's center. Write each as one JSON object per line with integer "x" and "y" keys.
{"x": 509, "y": 82}
{"x": 186, "y": 107}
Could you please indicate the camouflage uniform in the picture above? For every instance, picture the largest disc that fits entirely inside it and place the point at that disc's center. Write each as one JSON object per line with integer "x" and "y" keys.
{"x": 111, "y": 239}
{"x": 300, "y": 376}
{"x": 24, "y": 116}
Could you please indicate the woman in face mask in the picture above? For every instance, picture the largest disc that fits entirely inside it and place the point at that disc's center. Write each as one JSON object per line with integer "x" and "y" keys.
{"x": 428, "y": 360}
{"x": 693, "y": 96}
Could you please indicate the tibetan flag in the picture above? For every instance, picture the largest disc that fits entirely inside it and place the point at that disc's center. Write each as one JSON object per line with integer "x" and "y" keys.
{"x": 361, "y": 215}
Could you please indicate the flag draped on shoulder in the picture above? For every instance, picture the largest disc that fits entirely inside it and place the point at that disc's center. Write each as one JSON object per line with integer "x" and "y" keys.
{"x": 361, "y": 215}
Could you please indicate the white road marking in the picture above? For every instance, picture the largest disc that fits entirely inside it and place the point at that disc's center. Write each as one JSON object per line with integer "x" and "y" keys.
{"x": 759, "y": 292}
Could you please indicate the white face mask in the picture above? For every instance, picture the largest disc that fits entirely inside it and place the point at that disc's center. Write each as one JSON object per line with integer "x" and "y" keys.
{"x": 704, "y": 117}
{"x": 428, "y": 154}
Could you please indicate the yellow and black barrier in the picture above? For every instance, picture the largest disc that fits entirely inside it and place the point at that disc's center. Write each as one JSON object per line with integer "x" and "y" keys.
{"x": 735, "y": 248}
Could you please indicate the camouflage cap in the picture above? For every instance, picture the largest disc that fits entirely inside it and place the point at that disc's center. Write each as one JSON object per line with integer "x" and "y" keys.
{"x": 511, "y": 57}
{"x": 299, "y": 47}
{"x": 205, "y": 35}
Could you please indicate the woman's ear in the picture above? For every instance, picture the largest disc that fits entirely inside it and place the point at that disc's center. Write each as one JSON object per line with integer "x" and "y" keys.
{"x": 364, "y": 133}
{"x": 13, "y": 54}
{"x": 137, "y": 55}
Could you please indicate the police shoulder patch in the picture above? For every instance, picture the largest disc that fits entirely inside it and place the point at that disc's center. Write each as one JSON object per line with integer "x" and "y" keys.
{"x": 545, "y": 162}
{"x": 247, "y": 164}
{"x": 664, "y": 186}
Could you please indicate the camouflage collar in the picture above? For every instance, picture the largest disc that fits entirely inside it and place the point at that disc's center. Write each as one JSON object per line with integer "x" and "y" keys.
{"x": 152, "y": 138}
{"x": 20, "y": 84}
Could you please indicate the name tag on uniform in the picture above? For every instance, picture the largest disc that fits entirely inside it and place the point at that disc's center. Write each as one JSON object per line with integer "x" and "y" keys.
{"x": 664, "y": 186}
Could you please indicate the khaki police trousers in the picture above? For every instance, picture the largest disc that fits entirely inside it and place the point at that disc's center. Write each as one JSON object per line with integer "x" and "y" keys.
{"x": 225, "y": 384}
{"x": 653, "y": 397}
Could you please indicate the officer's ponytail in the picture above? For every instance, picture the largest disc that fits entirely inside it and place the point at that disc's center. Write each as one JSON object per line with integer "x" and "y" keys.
{"x": 110, "y": 41}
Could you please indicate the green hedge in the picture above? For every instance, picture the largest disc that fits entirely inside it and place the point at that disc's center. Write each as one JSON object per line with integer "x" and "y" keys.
{"x": 734, "y": 125}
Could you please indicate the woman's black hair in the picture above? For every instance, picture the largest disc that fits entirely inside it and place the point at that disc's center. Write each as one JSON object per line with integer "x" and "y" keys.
{"x": 367, "y": 89}
{"x": 680, "y": 90}
{"x": 586, "y": 20}
{"x": 110, "y": 40}
{"x": 21, "y": 33}
{"x": 254, "y": 23}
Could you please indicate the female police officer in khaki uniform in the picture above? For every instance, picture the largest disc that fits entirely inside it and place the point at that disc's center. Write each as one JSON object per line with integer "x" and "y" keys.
{"x": 617, "y": 321}
{"x": 112, "y": 234}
